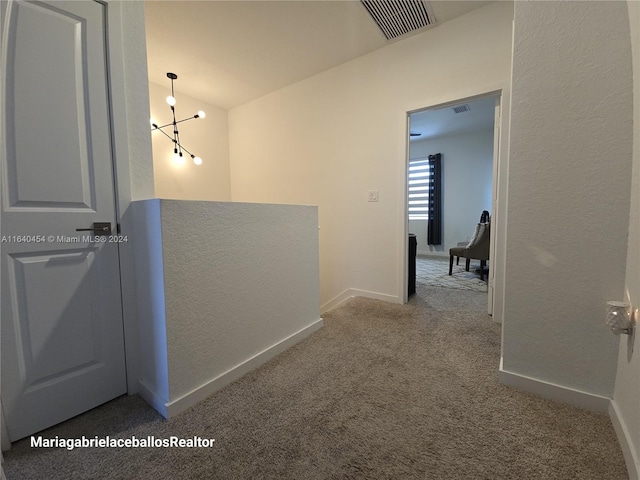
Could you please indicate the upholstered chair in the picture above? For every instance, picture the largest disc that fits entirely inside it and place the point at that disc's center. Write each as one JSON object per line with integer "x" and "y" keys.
{"x": 477, "y": 249}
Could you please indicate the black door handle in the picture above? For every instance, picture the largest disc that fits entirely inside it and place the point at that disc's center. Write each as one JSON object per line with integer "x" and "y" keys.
{"x": 99, "y": 228}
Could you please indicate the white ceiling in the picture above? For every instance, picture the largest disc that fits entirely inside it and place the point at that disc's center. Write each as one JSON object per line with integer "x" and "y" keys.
{"x": 444, "y": 121}
{"x": 227, "y": 53}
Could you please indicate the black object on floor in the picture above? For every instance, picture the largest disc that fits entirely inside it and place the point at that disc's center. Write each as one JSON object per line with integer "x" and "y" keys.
{"x": 413, "y": 247}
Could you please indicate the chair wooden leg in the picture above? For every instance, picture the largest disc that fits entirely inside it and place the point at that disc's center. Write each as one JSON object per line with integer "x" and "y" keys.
{"x": 468, "y": 264}
{"x": 457, "y": 260}
{"x": 450, "y": 264}
{"x": 482, "y": 265}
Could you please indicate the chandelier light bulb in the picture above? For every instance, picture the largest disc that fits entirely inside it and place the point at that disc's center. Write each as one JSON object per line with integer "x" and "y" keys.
{"x": 171, "y": 100}
{"x": 201, "y": 114}
{"x": 197, "y": 160}
{"x": 178, "y": 159}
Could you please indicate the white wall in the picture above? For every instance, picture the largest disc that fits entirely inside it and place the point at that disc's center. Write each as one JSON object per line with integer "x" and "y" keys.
{"x": 228, "y": 286}
{"x": 136, "y": 98}
{"x": 626, "y": 396}
{"x": 568, "y": 193}
{"x": 467, "y": 168}
{"x": 206, "y": 137}
{"x": 152, "y": 379}
{"x": 132, "y": 148}
{"x": 331, "y": 138}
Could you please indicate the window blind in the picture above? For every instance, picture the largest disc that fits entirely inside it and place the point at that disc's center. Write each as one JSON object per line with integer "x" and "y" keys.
{"x": 419, "y": 177}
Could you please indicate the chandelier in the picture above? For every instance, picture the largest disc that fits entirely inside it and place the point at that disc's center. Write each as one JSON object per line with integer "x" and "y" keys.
{"x": 178, "y": 148}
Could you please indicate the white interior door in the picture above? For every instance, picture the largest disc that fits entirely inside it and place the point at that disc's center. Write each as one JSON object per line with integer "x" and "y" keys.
{"x": 62, "y": 335}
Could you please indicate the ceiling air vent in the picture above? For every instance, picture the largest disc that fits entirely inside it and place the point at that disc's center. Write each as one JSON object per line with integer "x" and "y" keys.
{"x": 461, "y": 108}
{"x": 399, "y": 17}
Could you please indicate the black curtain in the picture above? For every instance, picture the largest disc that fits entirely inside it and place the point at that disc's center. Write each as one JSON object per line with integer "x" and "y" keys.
{"x": 434, "y": 224}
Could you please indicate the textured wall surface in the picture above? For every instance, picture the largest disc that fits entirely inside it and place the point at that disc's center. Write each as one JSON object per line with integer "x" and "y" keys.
{"x": 137, "y": 97}
{"x": 239, "y": 278}
{"x": 569, "y": 191}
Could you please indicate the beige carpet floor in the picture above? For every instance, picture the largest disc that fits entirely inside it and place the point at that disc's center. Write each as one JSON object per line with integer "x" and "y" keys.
{"x": 383, "y": 391}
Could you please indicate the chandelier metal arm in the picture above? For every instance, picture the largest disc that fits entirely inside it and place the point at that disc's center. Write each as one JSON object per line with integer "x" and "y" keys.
{"x": 178, "y": 144}
{"x": 165, "y": 133}
{"x": 179, "y": 121}
{"x": 188, "y": 152}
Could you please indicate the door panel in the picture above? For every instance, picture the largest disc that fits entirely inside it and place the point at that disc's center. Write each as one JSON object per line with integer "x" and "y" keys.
{"x": 62, "y": 336}
{"x": 58, "y": 115}
{"x": 40, "y": 334}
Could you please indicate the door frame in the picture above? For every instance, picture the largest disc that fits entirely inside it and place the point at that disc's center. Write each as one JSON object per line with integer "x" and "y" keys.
{"x": 120, "y": 142}
{"x": 498, "y": 217}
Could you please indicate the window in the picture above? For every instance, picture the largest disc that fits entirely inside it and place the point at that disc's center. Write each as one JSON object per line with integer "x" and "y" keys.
{"x": 419, "y": 176}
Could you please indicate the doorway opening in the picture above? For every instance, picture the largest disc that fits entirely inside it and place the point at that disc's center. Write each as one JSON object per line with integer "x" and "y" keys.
{"x": 466, "y": 134}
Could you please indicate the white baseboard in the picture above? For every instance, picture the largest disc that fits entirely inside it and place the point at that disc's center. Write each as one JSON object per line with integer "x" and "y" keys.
{"x": 552, "y": 391}
{"x": 186, "y": 401}
{"x": 152, "y": 398}
{"x": 626, "y": 444}
{"x": 354, "y": 292}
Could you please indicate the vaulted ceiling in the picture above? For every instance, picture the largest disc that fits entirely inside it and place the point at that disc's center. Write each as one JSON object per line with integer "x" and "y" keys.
{"x": 227, "y": 53}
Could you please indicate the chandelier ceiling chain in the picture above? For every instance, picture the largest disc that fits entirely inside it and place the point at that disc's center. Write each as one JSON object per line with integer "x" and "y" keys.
{"x": 178, "y": 148}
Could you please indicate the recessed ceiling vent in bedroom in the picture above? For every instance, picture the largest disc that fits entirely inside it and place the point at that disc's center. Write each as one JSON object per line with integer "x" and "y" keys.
{"x": 399, "y": 17}
{"x": 461, "y": 108}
